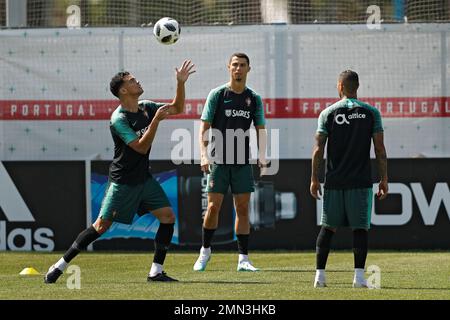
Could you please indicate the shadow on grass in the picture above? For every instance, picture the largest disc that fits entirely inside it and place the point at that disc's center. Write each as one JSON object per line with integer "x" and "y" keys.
{"x": 262, "y": 270}
{"x": 312, "y": 270}
{"x": 342, "y": 284}
{"x": 410, "y": 288}
{"x": 225, "y": 282}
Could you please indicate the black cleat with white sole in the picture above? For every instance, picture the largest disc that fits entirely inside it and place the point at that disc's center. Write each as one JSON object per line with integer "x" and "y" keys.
{"x": 163, "y": 277}
{"x": 52, "y": 275}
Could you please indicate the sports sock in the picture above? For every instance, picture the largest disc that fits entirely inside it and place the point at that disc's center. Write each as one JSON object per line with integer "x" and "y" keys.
{"x": 360, "y": 240}
{"x": 320, "y": 275}
{"x": 323, "y": 247}
{"x": 242, "y": 242}
{"x": 61, "y": 264}
{"x": 205, "y": 251}
{"x": 243, "y": 257}
{"x": 155, "y": 269}
{"x": 162, "y": 242}
{"x": 207, "y": 235}
{"x": 85, "y": 238}
{"x": 359, "y": 274}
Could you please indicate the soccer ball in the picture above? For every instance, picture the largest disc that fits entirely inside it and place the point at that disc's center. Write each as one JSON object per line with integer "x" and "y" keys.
{"x": 167, "y": 30}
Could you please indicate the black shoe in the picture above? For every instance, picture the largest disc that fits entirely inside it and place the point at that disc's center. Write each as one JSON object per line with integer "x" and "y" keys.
{"x": 161, "y": 277}
{"x": 52, "y": 275}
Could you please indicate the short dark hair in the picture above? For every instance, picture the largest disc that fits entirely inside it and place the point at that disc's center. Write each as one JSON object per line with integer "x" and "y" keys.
{"x": 239, "y": 55}
{"x": 116, "y": 82}
{"x": 350, "y": 80}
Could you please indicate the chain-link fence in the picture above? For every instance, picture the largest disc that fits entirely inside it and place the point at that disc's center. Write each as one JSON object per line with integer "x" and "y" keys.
{"x": 133, "y": 13}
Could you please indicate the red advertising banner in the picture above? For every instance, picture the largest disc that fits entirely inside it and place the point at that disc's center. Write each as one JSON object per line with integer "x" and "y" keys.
{"x": 279, "y": 108}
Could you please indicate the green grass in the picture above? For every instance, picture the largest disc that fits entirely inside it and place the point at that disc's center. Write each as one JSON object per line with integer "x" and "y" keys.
{"x": 284, "y": 275}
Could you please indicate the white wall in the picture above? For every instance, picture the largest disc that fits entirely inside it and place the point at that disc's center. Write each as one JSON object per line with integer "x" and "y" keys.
{"x": 294, "y": 62}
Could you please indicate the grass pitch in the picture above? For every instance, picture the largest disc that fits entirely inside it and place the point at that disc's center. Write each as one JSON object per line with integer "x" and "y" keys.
{"x": 283, "y": 276}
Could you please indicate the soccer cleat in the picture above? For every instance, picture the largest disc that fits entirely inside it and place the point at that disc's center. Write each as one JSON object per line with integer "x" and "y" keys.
{"x": 202, "y": 261}
{"x": 163, "y": 277}
{"x": 246, "y": 266}
{"x": 52, "y": 275}
{"x": 319, "y": 284}
{"x": 361, "y": 283}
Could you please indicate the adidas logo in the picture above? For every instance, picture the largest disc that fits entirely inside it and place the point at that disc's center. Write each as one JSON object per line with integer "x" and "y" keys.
{"x": 15, "y": 210}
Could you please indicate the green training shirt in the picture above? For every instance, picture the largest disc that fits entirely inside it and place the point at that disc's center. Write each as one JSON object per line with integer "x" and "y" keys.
{"x": 130, "y": 166}
{"x": 349, "y": 125}
{"x": 228, "y": 111}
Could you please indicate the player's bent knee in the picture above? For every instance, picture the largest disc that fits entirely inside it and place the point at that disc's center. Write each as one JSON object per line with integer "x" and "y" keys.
{"x": 170, "y": 218}
{"x": 213, "y": 208}
{"x": 242, "y": 210}
{"x": 101, "y": 226}
{"x": 166, "y": 216}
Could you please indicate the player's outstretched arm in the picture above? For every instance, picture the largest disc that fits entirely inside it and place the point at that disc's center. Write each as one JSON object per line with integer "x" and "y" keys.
{"x": 380, "y": 154}
{"x": 317, "y": 159}
{"x": 182, "y": 74}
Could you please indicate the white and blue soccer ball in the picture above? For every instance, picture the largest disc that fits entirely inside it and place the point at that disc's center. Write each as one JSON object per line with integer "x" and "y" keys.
{"x": 167, "y": 30}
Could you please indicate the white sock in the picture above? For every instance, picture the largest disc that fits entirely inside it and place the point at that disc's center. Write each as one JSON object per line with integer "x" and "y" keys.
{"x": 243, "y": 257}
{"x": 205, "y": 251}
{"x": 359, "y": 274}
{"x": 155, "y": 269}
{"x": 320, "y": 275}
{"x": 61, "y": 264}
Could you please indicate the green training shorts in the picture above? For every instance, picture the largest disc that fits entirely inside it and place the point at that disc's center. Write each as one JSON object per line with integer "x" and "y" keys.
{"x": 121, "y": 201}
{"x": 347, "y": 208}
{"x": 223, "y": 176}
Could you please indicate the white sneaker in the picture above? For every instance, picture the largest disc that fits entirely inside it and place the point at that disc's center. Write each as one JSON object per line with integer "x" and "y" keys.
{"x": 320, "y": 284}
{"x": 246, "y": 266}
{"x": 361, "y": 283}
{"x": 202, "y": 261}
